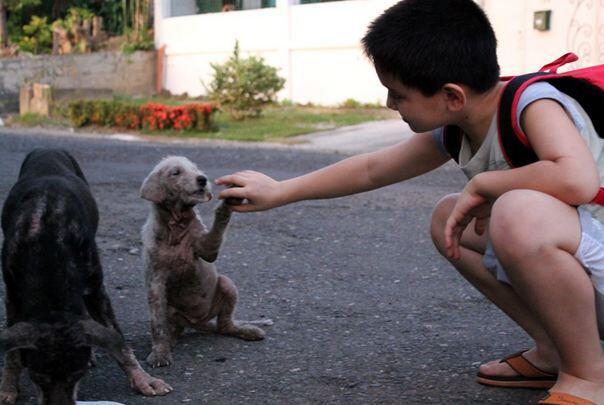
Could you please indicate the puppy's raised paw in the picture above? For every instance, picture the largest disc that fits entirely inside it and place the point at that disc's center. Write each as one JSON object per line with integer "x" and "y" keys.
{"x": 233, "y": 200}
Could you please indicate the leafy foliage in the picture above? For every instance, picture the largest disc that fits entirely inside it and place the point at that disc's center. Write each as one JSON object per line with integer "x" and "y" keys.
{"x": 150, "y": 116}
{"x": 128, "y": 17}
{"x": 243, "y": 86}
{"x": 37, "y": 36}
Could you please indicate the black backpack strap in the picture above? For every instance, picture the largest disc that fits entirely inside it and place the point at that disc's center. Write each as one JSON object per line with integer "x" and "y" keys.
{"x": 452, "y": 136}
{"x": 514, "y": 143}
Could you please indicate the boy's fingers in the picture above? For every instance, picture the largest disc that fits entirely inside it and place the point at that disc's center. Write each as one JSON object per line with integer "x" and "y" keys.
{"x": 241, "y": 208}
{"x": 480, "y": 225}
{"x": 453, "y": 230}
{"x": 233, "y": 192}
{"x": 234, "y": 179}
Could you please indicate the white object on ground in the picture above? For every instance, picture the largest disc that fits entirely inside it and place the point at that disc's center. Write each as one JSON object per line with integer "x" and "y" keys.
{"x": 1, "y": 122}
{"x": 97, "y": 403}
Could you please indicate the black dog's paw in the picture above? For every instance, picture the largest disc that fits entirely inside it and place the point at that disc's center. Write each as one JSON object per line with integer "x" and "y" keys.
{"x": 159, "y": 358}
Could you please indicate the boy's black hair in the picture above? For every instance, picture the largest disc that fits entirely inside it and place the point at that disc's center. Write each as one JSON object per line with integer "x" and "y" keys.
{"x": 427, "y": 43}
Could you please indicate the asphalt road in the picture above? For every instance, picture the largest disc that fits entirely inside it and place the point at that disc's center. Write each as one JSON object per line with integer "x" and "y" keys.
{"x": 364, "y": 309}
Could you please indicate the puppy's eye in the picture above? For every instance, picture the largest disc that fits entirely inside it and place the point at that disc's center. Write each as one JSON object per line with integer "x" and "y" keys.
{"x": 176, "y": 172}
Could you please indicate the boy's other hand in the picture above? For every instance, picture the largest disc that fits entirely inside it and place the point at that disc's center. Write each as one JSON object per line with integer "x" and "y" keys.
{"x": 255, "y": 191}
{"x": 470, "y": 205}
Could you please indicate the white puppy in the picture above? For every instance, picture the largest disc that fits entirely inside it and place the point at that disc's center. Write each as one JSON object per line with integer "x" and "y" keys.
{"x": 184, "y": 288}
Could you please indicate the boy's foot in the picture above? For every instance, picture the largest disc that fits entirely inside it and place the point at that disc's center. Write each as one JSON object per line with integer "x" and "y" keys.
{"x": 576, "y": 391}
{"x": 561, "y": 398}
{"x": 517, "y": 371}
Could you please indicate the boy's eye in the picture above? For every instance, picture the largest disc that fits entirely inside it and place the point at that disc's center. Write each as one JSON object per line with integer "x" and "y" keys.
{"x": 395, "y": 96}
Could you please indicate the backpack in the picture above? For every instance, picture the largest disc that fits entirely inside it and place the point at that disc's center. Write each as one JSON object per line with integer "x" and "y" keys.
{"x": 585, "y": 85}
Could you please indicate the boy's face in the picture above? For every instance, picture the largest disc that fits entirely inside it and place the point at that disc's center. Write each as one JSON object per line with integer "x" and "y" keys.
{"x": 420, "y": 112}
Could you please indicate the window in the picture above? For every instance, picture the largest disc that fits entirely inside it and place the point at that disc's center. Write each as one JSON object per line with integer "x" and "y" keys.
{"x": 316, "y": 1}
{"x": 214, "y": 6}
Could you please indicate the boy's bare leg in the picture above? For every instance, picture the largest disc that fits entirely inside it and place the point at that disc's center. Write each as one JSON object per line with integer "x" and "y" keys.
{"x": 535, "y": 237}
{"x": 543, "y": 354}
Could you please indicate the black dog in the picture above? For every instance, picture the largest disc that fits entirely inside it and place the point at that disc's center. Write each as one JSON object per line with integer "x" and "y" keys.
{"x": 56, "y": 305}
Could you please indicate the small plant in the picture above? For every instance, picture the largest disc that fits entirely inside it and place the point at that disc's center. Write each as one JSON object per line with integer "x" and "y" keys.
{"x": 79, "y": 113}
{"x": 127, "y": 116}
{"x": 143, "y": 43}
{"x": 157, "y": 116}
{"x": 243, "y": 86}
{"x": 37, "y": 36}
{"x": 102, "y": 112}
{"x": 351, "y": 103}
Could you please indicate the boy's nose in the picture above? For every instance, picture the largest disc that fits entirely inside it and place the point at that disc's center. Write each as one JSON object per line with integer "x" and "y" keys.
{"x": 391, "y": 104}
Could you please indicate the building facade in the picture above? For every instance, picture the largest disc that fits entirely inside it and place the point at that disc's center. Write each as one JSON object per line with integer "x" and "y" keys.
{"x": 316, "y": 44}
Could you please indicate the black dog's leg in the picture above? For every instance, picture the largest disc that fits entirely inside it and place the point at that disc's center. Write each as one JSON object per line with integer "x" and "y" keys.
{"x": 96, "y": 298}
{"x": 9, "y": 387}
{"x": 100, "y": 309}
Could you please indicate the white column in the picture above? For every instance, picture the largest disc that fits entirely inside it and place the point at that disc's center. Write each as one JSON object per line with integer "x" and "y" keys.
{"x": 284, "y": 10}
{"x": 161, "y": 10}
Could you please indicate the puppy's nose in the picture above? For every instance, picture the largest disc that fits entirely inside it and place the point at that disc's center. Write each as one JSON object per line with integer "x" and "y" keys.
{"x": 202, "y": 181}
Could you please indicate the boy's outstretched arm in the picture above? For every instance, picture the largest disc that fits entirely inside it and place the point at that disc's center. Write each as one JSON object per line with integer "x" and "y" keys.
{"x": 566, "y": 169}
{"x": 356, "y": 174}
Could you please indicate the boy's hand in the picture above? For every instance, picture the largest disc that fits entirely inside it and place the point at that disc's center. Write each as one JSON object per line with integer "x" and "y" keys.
{"x": 470, "y": 205}
{"x": 255, "y": 191}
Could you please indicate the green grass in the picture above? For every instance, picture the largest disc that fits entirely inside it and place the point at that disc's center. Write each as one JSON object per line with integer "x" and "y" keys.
{"x": 280, "y": 123}
{"x": 37, "y": 120}
{"x": 277, "y": 123}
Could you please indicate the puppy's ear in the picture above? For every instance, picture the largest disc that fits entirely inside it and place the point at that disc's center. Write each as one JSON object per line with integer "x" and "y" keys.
{"x": 152, "y": 189}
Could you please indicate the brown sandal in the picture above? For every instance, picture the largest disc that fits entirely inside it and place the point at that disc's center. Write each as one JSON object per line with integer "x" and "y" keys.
{"x": 528, "y": 376}
{"x": 560, "y": 398}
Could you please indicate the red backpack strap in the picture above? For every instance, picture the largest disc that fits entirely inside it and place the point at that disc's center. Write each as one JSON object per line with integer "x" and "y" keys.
{"x": 514, "y": 143}
{"x": 452, "y": 137}
{"x": 561, "y": 61}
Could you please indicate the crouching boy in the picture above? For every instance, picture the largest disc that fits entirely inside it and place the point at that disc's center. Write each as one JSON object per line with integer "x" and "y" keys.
{"x": 528, "y": 238}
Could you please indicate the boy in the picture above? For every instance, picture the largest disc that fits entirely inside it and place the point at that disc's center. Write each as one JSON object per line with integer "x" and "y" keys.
{"x": 532, "y": 245}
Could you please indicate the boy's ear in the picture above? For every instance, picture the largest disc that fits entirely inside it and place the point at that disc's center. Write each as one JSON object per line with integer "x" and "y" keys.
{"x": 455, "y": 96}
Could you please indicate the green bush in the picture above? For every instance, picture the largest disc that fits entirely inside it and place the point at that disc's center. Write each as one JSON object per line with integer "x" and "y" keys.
{"x": 144, "y": 42}
{"x": 243, "y": 86}
{"x": 351, "y": 103}
{"x": 102, "y": 113}
{"x": 37, "y": 36}
{"x": 78, "y": 113}
{"x": 151, "y": 116}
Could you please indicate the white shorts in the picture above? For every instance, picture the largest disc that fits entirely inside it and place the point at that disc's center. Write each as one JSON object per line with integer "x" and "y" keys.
{"x": 590, "y": 254}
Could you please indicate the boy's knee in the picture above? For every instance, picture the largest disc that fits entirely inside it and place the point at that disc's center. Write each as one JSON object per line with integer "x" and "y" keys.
{"x": 514, "y": 218}
{"x": 440, "y": 214}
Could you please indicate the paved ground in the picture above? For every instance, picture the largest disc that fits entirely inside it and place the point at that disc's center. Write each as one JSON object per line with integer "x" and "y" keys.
{"x": 365, "y": 311}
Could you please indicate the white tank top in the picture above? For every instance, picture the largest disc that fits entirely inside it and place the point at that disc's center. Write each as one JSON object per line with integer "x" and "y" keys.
{"x": 490, "y": 157}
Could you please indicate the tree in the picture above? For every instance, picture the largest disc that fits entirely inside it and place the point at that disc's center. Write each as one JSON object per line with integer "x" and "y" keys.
{"x": 3, "y": 26}
{"x": 137, "y": 17}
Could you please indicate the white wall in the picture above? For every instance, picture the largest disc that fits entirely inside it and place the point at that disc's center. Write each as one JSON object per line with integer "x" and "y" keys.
{"x": 576, "y": 25}
{"x": 316, "y": 47}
